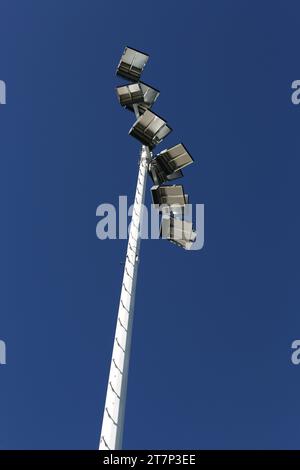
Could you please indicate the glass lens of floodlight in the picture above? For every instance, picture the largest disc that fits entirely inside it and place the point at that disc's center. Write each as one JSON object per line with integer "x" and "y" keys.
{"x": 128, "y": 55}
{"x": 175, "y": 158}
{"x": 136, "y": 93}
{"x": 163, "y": 132}
{"x": 130, "y": 94}
{"x": 149, "y": 129}
{"x": 179, "y": 231}
{"x": 145, "y": 120}
{"x": 182, "y": 230}
{"x": 123, "y": 93}
{"x": 170, "y": 195}
{"x": 154, "y": 126}
{"x": 171, "y": 190}
{"x": 179, "y": 155}
{"x": 139, "y": 61}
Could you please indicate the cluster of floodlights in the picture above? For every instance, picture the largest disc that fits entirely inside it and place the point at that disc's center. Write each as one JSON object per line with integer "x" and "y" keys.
{"x": 150, "y": 129}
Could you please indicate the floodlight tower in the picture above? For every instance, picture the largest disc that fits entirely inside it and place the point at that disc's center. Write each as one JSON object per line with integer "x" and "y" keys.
{"x": 150, "y": 130}
{"x": 114, "y": 410}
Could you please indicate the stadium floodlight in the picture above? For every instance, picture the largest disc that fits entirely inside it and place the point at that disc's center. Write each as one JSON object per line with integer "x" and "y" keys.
{"x": 150, "y": 129}
{"x": 168, "y": 195}
{"x": 130, "y": 94}
{"x": 178, "y": 231}
{"x": 167, "y": 165}
{"x": 132, "y": 64}
{"x": 137, "y": 93}
{"x": 150, "y": 95}
{"x": 169, "y": 199}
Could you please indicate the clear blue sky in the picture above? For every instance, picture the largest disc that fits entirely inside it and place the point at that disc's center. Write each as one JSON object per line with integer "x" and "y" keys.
{"x": 211, "y": 348}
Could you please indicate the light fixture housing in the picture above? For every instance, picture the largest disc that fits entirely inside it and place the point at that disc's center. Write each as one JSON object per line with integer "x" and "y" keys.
{"x": 132, "y": 64}
{"x": 178, "y": 231}
{"x": 167, "y": 165}
{"x": 150, "y": 95}
{"x": 130, "y": 94}
{"x": 169, "y": 198}
{"x": 150, "y": 129}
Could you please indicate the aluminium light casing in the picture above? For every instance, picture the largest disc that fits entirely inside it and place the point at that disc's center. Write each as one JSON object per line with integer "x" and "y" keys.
{"x": 169, "y": 198}
{"x": 167, "y": 165}
{"x": 178, "y": 231}
{"x": 150, "y": 95}
{"x": 132, "y": 64}
{"x": 130, "y": 94}
{"x": 150, "y": 129}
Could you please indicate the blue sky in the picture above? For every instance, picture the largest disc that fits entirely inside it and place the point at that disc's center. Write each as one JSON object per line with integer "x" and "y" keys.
{"x": 213, "y": 328}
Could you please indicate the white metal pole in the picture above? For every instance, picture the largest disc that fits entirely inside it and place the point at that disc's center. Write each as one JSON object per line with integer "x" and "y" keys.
{"x": 114, "y": 409}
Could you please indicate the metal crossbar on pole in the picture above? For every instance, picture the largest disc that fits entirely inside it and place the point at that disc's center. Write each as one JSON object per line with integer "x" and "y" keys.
{"x": 114, "y": 409}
